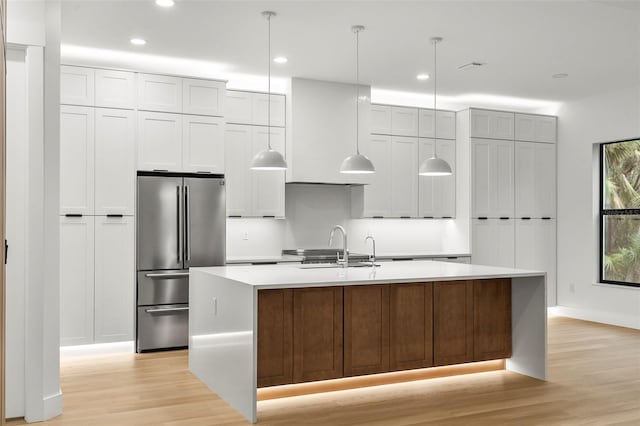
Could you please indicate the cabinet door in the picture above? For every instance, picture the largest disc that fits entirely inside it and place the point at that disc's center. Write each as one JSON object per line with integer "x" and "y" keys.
{"x": 317, "y": 334}
{"x": 114, "y": 278}
{"x": 260, "y": 112}
{"x": 425, "y": 123}
{"x": 366, "y": 329}
{"x": 445, "y": 186}
{"x": 377, "y": 195}
{"x": 493, "y": 242}
{"x": 381, "y": 119}
{"x": 159, "y": 93}
{"x": 525, "y": 179}
{"x": 275, "y": 337}
{"x": 404, "y": 177}
{"x": 452, "y": 322}
{"x": 503, "y": 190}
{"x": 481, "y": 177}
{"x": 237, "y": 108}
{"x": 404, "y": 121}
{"x": 545, "y": 129}
{"x": 77, "y": 86}
{"x": 202, "y": 144}
{"x": 159, "y": 141}
{"x": 446, "y": 124}
{"x": 267, "y": 186}
{"x": 524, "y": 127}
{"x": 545, "y": 180}
{"x": 76, "y": 280}
{"x": 411, "y": 326}
{"x": 77, "y": 145}
{"x": 491, "y": 319}
{"x": 426, "y": 184}
{"x": 204, "y": 97}
{"x": 501, "y": 125}
{"x": 115, "y": 171}
{"x": 115, "y": 89}
{"x": 535, "y": 249}
{"x": 237, "y": 153}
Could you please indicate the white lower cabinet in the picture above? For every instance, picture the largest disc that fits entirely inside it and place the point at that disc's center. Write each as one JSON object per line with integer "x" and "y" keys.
{"x": 96, "y": 279}
{"x": 76, "y": 280}
{"x": 437, "y": 195}
{"x": 252, "y": 193}
{"x": 493, "y": 242}
{"x": 114, "y": 278}
{"x": 202, "y": 144}
{"x": 535, "y": 249}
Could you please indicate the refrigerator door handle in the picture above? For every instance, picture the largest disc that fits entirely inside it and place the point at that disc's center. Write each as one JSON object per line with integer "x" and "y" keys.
{"x": 178, "y": 223}
{"x": 167, "y": 275}
{"x": 157, "y": 310}
{"x": 187, "y": 231}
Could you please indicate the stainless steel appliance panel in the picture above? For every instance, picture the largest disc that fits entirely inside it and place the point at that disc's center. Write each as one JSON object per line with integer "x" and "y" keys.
{"x": 163, "y": 287}
{"x": 204, "y": 221}
{"x": 163, "y": 327}
{"x": 159, "y": 223}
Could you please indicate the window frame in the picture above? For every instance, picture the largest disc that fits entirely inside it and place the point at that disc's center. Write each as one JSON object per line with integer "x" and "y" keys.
{"x": 602, "y": 213}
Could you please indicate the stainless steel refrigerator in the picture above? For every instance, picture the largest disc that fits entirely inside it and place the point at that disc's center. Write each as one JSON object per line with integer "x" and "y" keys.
{"x": 180, "y": 223}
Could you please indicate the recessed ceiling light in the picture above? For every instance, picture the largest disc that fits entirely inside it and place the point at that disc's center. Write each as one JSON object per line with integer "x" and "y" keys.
{"x": 560, "y": 75}
{"x": 422, "y": 76}
{"x": 138, "y": 41}
{"x": 280, "y": 60}
{"x": 165, "y": 3}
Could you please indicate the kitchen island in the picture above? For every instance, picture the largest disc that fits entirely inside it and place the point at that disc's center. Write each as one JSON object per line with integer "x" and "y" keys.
{"x": 224, "y": 320}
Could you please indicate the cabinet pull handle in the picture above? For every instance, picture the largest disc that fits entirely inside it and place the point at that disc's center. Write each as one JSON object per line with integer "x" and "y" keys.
{"x": 546, "y": 218}
{"x": 526, "y": 218}
{"x": 234, "y": 215}
{"x": 73, "y": 215}
{"x": 427, "y": 217}
{"x": 504, "y": 218}
{"x": 378, "y": 217}
{"x": 153, "y": 311}
{"x": 115, "y": 215}
{"x": 447, "y": 217}
{"x": 405, "y": 217}
{"x": 268, "y": 216}
{"x": 483, "y": 218}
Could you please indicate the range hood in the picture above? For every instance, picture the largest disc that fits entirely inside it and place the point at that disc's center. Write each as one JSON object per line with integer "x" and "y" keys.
{"x": 322, "y": 130}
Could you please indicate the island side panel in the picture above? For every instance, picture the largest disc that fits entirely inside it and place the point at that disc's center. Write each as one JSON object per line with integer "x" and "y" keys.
{"x": 529, "y": 327}
{"x": 222, "y": 339}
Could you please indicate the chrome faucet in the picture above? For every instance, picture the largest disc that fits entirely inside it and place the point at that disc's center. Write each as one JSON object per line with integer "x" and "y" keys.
{"x": 372, "y": 258}
{"x": 345, "y": 253}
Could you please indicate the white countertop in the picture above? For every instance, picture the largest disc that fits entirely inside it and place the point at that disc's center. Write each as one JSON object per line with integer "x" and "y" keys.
{"x": 295, "y": 275}
{"x": 264, "y": 259}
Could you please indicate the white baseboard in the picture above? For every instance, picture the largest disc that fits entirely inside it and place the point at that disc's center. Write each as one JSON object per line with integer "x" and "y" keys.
{"x": 51, "y": 407}
{"x": 629, "y": 321}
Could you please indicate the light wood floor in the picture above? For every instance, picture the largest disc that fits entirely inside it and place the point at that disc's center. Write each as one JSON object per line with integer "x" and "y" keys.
{"x": 594, "y": 379}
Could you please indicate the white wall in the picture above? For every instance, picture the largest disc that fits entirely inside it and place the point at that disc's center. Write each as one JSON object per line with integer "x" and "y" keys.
{"x": 582, "y": 125}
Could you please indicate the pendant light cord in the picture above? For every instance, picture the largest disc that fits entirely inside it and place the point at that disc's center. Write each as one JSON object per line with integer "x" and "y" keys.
{"x": 435, "y": 88}
{"x": 358, "y": 91}
{"x": 269, "y": 87}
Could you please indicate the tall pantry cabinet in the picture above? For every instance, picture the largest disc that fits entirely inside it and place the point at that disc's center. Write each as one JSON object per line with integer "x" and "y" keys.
{"x": 513, "y": 190}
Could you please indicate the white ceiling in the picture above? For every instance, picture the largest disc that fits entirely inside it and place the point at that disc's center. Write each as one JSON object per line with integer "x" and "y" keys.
{"x": 523, "y": 42}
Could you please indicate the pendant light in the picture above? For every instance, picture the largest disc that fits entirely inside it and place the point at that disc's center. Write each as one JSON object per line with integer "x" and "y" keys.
{"x": 269, "y": 159}
{"x": 357, "y": 163}
{"x": 435, "y": 166}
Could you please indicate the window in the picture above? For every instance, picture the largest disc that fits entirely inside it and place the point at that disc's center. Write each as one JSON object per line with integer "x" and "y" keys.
{"x": 620, "y": 212}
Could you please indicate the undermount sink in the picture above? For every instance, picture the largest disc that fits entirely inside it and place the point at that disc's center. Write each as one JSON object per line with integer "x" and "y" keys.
{"x": 336, "y": 265}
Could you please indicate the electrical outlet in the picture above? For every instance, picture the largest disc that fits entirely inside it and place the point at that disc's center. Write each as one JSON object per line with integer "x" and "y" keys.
{"x": 215, "y": 306}
{"x": 245, "y": 235}
{"x": 572, "y": 288}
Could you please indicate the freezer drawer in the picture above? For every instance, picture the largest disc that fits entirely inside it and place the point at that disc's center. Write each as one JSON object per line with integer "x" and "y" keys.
{"x": 162, "y": 327}
{"x": 163, "y": 287}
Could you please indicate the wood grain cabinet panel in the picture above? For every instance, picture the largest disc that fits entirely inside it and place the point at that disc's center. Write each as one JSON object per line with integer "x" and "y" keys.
{"x": 452, "y": 322}
{"x": 411, "y": 326}
{"x": 366, "y": 329}
{"x": 491, "y": 319}
{"x": 317, "y": 333}
{"x": 275, "y": 337}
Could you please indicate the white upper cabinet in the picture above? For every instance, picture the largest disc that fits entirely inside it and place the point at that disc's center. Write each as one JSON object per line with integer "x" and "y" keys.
{"x": 115, "y": 89}
{"x": 203, "y": 97}
{"x": 437, "y": 194}
{"x": 159, "y": 141}
{"x": 404, "y": 121}
{"x": 76, "y": 280}
{"x": 267, "y": 186}
{"x": 404, "y": 177}
{"x": 446, "y": 124}
{"x": 491, "y": 124}
{"x": 252, "y": 108}
{"x": 535, "y": 128}
{"x": 492, "y": 178}
{"x": 114, "y": 278}
{"x": 115, "y": 161}
{"x": 77, "y": 145}
{"x": 238, "y": 107}
{"x": 77, "y": 85}
{"x": 202, "y": 144}
{"x": 535, "y": 178}
{"x": 377, "y": 195}
{"x": 238, "y": 152}
{"x": 260, "y": 111}
{"x": 381, "y": 119}
{"x": 159, "y": 93}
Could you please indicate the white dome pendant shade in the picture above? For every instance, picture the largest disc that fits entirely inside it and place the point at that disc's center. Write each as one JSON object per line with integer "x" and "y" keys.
{"x": 269, "y": 159}
{"x": 435, "y": 166}
{"x": 357, "y": 163}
